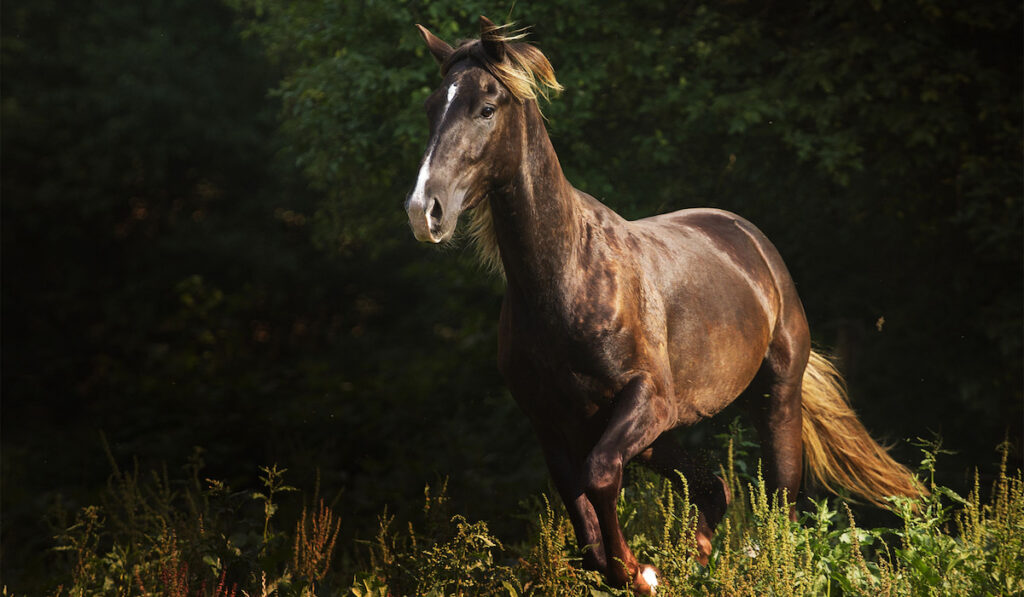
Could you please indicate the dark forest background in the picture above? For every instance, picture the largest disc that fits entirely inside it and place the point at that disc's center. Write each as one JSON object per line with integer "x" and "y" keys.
{"x": 205, "y": 257}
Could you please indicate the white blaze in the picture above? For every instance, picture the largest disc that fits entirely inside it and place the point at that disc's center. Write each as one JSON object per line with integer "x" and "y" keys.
{"x": 421, "y": 179}
{"x": 451, "y": 95}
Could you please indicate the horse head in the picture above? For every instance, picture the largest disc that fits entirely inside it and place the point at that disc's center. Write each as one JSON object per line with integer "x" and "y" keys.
{"x": 477, "y": 119}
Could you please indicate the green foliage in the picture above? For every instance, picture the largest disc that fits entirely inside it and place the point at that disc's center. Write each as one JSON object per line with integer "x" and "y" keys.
{"x": 174, "y": 536}
{"x": 184, "y": 538}
{"x": 548, "y": 560}
{"x": 160, "y": 285}
{"x": 451, "y": 556}
{"x": 983, "y": 553}
{"x": 187, "y": 261}
{"x": 878, "y": 144}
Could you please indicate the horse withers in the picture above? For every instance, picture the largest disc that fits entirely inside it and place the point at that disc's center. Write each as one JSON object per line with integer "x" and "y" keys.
{"x": 614, "y": 332}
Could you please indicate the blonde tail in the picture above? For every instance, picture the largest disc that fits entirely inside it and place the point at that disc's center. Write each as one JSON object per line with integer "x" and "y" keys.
{"x": 837, "y": 449}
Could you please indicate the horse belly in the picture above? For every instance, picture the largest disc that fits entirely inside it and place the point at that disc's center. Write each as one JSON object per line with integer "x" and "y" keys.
{"x": 704, "y": 390}
{"x": 718, "y": 336}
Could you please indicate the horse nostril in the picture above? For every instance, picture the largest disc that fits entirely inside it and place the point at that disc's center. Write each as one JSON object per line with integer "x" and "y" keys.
{"x": 435, "y": 212}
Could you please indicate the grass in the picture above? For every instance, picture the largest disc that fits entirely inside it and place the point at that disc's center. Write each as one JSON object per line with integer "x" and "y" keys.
{"x": 152, "y": 535}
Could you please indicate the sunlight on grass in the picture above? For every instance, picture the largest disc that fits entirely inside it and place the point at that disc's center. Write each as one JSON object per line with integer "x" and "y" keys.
{"x": 155, "y": 536}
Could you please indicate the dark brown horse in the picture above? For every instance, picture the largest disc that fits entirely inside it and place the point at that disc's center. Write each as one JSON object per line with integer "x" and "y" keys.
{"x": 614, "y": 332}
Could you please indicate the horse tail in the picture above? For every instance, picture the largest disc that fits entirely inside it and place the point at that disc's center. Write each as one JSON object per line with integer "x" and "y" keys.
{"x": 838, "y": 450}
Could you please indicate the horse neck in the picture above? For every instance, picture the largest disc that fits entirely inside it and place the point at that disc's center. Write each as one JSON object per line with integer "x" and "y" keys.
{"x": 536, "y": 216}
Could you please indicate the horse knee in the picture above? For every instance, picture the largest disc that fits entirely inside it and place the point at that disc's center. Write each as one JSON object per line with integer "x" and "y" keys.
{"x": 602, "y": 474}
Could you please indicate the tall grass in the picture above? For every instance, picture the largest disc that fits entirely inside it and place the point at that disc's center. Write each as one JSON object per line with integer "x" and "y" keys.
{"x": 151, "y": 535}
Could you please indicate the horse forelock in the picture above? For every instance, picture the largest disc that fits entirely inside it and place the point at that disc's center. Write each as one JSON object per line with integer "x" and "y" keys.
{"x": 524, "y": 69}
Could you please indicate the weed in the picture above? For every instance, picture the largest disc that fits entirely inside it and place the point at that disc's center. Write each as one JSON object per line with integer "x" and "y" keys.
{"x": 314, "y": 543}
{"x": 154, "y": 535}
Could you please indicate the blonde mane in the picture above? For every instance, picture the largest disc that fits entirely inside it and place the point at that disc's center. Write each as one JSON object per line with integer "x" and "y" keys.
{"x": 481, "y": 230}
{"x": 523, "y": 69}
{"x": 528, "y": 74}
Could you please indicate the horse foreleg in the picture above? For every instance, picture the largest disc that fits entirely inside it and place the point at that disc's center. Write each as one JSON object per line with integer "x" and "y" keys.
{"x": 565, "y": 472}
{"x": 635, "y": 422}
{"x": 708, "y": 492}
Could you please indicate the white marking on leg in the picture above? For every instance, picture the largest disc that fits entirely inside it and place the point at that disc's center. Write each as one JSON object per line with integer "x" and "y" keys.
{"x": 650, "y": 576}
{"x": 752, "y": 550}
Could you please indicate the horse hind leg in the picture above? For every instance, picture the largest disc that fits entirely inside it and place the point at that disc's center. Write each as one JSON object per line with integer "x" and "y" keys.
{"x": 775, "y": 406}
{"x": 706, "y": 490}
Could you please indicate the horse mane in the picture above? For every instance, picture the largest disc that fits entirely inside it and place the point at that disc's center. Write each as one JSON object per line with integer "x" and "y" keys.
{"x": 481, "y": 230}
{"x": 523, "y": 69}
{"x": 528, "y": 74}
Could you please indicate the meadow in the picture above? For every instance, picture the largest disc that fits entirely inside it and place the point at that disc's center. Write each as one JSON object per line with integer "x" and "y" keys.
{"x": 179, "y": 536}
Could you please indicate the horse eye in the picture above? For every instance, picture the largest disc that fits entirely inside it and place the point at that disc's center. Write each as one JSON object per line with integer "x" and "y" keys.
{"x": 487, "y": 111}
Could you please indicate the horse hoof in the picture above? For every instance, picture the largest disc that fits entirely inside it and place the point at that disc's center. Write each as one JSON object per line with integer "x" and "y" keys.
{"x": 646, "y": 581}
{"x": 703, "y": 554}
{"x": 702, "y": 538}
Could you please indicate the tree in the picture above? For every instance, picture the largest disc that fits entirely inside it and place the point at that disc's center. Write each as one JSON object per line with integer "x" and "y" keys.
{"x": 878, "y": 144}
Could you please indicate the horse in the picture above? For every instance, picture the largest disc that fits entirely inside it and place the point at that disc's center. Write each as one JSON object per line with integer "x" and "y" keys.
{"x": 614, "y": 332}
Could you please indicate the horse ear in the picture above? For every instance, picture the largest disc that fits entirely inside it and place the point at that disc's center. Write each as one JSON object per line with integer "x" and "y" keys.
{"x": 438, "y": 48}
{"x": 491, "y": 39}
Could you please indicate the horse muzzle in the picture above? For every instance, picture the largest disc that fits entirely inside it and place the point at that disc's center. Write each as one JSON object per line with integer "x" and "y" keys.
{"x": 426, "y": 217}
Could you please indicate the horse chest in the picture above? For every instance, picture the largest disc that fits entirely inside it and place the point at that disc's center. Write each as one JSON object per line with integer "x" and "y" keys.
{"x": 575, "y": 363}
